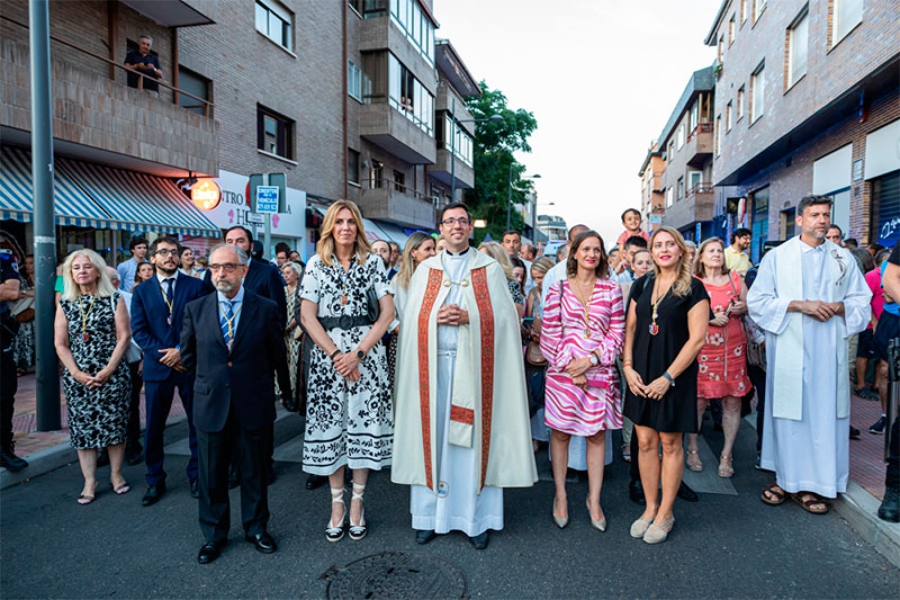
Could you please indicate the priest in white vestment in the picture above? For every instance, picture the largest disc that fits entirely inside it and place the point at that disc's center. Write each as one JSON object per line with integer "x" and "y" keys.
{"x": 461, "y": 419}
{"x": 809, "y": 297}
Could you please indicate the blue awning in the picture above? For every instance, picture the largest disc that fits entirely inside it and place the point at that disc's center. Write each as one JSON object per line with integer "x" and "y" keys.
{"x": 140, "y": 202}
{"x": 394, "y": 233}
{"x": 70, "y": 204}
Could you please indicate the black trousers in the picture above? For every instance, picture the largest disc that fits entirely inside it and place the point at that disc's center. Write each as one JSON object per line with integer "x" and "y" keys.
{"x": 215, "y": 451}
{"x": 9, "y": 384}
{"x": 133, "y": 431}
{"x": 892, "y": 479}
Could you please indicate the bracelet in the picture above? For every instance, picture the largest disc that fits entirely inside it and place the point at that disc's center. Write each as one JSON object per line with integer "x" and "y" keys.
{"x": 669, "y": 377}
{"x": 625, "y": 363}
{"x": 335, "y": 353}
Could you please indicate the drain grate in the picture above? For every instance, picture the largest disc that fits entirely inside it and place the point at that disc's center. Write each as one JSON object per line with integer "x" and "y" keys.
{"x": 396, "y": 575}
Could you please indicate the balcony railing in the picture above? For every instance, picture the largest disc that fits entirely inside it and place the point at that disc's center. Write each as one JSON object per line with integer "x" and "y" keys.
{"x": 392, "y": 185}
{"x": 205, "y": 104}
{"x": 700, "y": 188}
{"x": 701, "y": 128}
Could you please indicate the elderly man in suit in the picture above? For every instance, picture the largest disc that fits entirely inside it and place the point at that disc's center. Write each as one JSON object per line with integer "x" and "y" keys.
{"x": 234, "y": 341}
{"x": 157, "y": 310}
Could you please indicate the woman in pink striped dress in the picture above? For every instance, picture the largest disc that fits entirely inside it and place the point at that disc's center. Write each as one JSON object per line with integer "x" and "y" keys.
{"x": 583, "y": 332}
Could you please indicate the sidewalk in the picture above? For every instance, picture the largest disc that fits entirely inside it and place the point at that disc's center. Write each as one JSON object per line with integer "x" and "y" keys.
{"x": 50, "y": 450}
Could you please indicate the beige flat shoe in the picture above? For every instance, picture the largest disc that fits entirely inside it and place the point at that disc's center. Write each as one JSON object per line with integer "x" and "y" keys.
{"x": 639, "y": 527}
{"x": 657, "y": 534}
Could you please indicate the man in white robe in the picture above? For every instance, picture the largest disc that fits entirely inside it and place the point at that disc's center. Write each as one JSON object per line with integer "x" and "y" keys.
{"x": 809, "y": 297}
{"x": 461, "y": 420}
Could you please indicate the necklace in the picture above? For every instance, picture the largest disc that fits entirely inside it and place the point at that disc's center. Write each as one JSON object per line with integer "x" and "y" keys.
{"x": 169, "y": 303}
{"x": 230, "y": 323}
{"x": 654, "y": 328}
{"x": 587, "y": 307}
{"x": 84, "y": 317}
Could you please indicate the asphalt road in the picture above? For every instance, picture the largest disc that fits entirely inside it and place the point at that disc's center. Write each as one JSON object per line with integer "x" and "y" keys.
{"x": 726, "y": 545}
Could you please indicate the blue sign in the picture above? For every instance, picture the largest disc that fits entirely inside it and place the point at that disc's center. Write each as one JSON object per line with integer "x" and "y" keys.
{"x": 267, "y": 199}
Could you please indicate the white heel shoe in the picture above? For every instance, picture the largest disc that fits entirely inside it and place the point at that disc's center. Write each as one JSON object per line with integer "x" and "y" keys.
{"x": 334, "y": 533}
{"x": 358, "y": 532}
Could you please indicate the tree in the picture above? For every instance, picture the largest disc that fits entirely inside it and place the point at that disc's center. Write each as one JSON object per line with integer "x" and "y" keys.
{"x": 495, "y": 143}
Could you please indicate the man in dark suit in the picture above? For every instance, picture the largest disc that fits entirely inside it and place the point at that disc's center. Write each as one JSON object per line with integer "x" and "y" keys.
{"x": 157, "y": 310}
{"x": 263, "y": 279}
{"x": 234, "y": 342}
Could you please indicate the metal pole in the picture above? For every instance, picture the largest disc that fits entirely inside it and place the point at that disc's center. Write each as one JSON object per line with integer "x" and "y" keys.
{"x": 268, "y": 231}
{"x": 509, "y": 197}
{"x": 453, "y": 150}
{"x": 533, "y": 221}
{"x": 47, "y": 366}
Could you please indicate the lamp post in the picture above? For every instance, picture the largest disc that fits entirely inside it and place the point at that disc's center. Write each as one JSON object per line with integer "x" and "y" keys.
{"x": 455, "y": 123}
{"x": 509, "y": 193}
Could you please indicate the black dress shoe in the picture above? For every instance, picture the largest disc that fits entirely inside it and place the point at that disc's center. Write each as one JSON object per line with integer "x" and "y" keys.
{"x": 423, "y": 536}
{"x": 686, "y": 493}
{"x": 154, "y": 494}
{"x": 263, "y": 542}
{"x": 209, "y": 552}
{"x": 195, "y": 488}
{"x": 890, "y": 506}
{"x": 481, "y": 540}
{"x": 315, "y": 481}
{"x": 636, "y": 493}
{"x": 10, "y": 461}
{"x": 854, "y": 433}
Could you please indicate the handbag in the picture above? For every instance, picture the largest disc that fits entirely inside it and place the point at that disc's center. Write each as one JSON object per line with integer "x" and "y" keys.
{"x": 23, "y": 309}
{"x": 756, "y": 351}
{"x": 373, "y": 308}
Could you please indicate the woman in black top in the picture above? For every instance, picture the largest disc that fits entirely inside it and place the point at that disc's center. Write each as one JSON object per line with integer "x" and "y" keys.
{"x": 668, "y": 312}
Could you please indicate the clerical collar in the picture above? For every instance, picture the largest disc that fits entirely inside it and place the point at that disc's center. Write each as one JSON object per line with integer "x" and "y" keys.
{"x": 458, "y": 254}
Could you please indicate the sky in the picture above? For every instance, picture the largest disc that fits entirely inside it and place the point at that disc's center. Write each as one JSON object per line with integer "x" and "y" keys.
{"x": 601, "y": 77}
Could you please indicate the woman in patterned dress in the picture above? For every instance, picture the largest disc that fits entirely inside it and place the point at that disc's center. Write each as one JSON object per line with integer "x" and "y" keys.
{"x": 24, "y": 348}
{"x": 92, "y": 333}
{"x": 723, "y": 361}
{"x": 582, "y": 333}
{"x": 349, "y": 417}
{"x": 292, "y": 274}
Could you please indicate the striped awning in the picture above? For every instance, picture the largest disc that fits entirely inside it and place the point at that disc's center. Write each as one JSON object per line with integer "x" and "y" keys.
{"x": 373, "y": 232}
{"x": 140, "y": 202}
{"x": 70, "y": 204}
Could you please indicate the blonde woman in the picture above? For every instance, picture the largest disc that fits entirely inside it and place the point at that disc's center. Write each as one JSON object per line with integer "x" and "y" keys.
{"x": 92, "y": 333}
{"x": 665, "y": 330}
{"x": 498, "y": 253}
{"x": 292, "y": 273}
{"x": 419, "y": 247}
{"x": 349, "y": 419}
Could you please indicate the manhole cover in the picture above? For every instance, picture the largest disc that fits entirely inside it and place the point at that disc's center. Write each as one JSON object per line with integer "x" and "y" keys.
{"x": 396, "y": 575}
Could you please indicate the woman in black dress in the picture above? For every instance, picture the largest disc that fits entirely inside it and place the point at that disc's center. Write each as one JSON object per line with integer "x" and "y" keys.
{"x": 668, "y": 312}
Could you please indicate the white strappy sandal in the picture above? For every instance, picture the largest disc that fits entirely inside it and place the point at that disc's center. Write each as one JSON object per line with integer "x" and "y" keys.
{"x": 358, "y": 532}
{"x": 334, "y": 533}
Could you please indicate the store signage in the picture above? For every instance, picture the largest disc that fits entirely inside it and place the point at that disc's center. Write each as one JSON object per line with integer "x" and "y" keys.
{"x": 206, "y": 194}
{"x": 267, "y": 199}
{"x": 254, "y": 218}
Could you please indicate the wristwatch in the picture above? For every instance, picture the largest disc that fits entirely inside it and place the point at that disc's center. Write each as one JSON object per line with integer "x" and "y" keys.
{"x": 360, "y": 354}
{"x": 594, "y": 360}
{"x": 670, "y": 378}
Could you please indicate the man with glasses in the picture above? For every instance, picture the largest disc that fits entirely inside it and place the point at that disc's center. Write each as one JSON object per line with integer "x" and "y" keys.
{"x": 461, "y": 430}
{"x": 157, "y": 313}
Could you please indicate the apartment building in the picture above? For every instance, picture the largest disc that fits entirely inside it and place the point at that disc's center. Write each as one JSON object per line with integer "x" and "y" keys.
{"x": 347, "y": 99}
{"x": 653, "y": 196}
{"x": 686, "y": 146}
{"x": 808, "y": 98}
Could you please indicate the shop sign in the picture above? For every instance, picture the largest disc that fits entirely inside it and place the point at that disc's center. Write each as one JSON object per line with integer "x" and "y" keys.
{"x": 206, "y": 194}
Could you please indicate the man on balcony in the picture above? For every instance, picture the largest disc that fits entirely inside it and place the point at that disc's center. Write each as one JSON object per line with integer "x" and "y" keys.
{"x": 144, "y": 63}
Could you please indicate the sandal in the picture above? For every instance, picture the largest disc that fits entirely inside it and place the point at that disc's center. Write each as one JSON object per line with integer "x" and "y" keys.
{"x": 808, "y": 500}
{"x": 122, "y": 489}
{"x": 725, "y": 466}
{"x": 334, "y": 533}
{"x": 358, "y": 532}
{"x": 776, "y": 492}
{"x": 85, "y": 499}
{"x": 626, "y": 452}
{"x": 693, "y": 461}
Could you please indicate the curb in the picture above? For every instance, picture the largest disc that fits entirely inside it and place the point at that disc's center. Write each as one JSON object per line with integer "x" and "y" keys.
{"x": 860, "y": 509}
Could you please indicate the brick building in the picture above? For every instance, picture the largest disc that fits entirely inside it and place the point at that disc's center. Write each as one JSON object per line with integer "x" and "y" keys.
{"x": 808, "y": 95}
{"x": 653, "y": 196}
{"x": 347, "y": 99}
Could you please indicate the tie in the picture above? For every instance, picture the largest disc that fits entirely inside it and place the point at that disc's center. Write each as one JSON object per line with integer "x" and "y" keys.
{"x": 227, "y": 323}
{"x": 169, "y": 283}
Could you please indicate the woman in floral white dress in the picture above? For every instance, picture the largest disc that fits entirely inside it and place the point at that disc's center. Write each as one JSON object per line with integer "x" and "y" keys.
{"x": 723, "y": 361}
{"x": 349, "y": 417}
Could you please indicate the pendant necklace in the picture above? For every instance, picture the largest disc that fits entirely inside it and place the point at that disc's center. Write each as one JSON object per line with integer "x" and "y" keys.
{"x": 84, "y": 317}
{"x": 169, "y": 303}
{"x": 654, "y": 328}
{"x": 587, "y": 308}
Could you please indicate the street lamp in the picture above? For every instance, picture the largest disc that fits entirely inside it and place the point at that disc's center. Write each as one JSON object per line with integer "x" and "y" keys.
{"x": 492, "y": 118}
{"x": 509, "y": 194}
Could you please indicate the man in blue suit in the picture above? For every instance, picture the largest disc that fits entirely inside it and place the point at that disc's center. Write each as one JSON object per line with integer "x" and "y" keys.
{"x": 234, "y": 341}
{"x": 157, "y": 314}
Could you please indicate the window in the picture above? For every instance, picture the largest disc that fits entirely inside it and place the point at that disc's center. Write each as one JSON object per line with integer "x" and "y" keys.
{"x": 759, "y": 7}
{"x": 409, "y": 96}
{"x": 758, "y": 93}
{"x": 371, "y": 8}
{"x": 196, "y": 85}
{"x": 846, "y": 15}
{"x": 275, "y": 23}
{"x": 759, "y": 200}
{"x": 694, "y": 116}
{"x": 718, "y": 135}
{"x": 354, "y": 81}
{"x": 275, "y": 133}
{"x": 728, "y": 117}
{"x": 798, "y": 45}
{"x": 788, "y": 223}
{"x": 680, "y": 138}
{"x": 352, "y": 166}
{"x": 743, "y": 11}
{"x": 731, "y": 27}
{"x": 671, "y": 153}
{"x": 740, "y": 103}
{"x": 376, "y": 174}
{"x": 694, "y": 180}
{"x": 413, "y": 21}
{"x": 720, "y": 49}
{"x": 680, "y": 188}
{"x": 670, "y": 200}
{"x": 400, "y": 182}
{"x": 454, "y": 138}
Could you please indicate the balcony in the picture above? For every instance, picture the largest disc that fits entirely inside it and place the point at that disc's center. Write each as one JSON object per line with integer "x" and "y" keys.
{"x": 386, "y": 126}
{"x": 697, "y": 205}
{"x": 441, "y": 169}
{"x": 443, "y": 102}
{"x": 387, "y": 200}
{"x": 101, "y": 119}
{"x": 381, "y": 33}
{"x": 699, "y": 145}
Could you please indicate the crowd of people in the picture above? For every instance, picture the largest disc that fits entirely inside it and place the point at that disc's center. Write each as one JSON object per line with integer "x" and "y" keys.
{"x": 453, "y": 365}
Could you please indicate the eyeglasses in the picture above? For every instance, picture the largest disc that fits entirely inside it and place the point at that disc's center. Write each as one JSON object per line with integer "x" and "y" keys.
{"x": 449, "y": 222}
{"x": 227, "y": 267}
{"x": 163, "y": 252}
